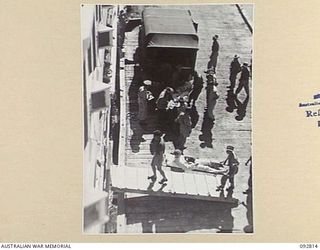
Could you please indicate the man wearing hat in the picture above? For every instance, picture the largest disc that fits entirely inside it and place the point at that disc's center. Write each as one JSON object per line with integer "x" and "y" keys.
{"x": 196, "y": 88}
{"x": 185, "y": 126}
{"x": 157, "y": 149}
{"x": 244, "y": 79}
{"x": 235, "y": 68}
{"x": 214, "y": 54}
{"x": 162, "y": 106}
{"x": 212, "y": 95}
{"x": 233, "y": 163}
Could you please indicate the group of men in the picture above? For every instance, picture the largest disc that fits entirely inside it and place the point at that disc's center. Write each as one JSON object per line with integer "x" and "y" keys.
{"x": 173, "y": 111}
{"x": 235, "y": 69}
{"x": 157, "y": 149}
{"x": 173, "y": 108}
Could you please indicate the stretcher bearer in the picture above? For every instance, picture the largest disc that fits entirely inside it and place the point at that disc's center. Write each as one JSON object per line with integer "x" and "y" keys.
{"x": 233, "y": 163}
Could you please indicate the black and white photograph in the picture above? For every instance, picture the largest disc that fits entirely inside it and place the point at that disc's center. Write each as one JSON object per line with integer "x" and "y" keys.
{"x": 167, "y": 114}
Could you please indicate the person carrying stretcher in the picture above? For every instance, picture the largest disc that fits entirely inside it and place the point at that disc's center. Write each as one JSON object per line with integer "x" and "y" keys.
{"x": 233, "y": 163}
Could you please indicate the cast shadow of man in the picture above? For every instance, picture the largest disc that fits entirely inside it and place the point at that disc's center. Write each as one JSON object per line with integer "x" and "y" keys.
{"x": 136, "y": 137}
{"x": 248, "y": 205}
{"x": 233, "y": 103}
{"x": 206, "y": 129}
{"x": 241, "y": 108}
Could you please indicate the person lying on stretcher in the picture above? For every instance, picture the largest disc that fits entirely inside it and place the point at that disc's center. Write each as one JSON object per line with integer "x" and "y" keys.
{"x": 187, "y": 163}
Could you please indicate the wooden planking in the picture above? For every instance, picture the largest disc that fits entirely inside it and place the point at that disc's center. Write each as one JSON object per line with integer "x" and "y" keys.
{"x": 143, "y": 181}
{"x": 212, "y": 183}
{"x": 121, "y": 175}
{"x": 184, "y": 185}
{"x": 114, "y": 170}
{"x": 169, "y": 187}
{"x": 190, "y": 184}
{"x": 130, "y": 178}
{"x": 113, "y": 176}
{"x": 176, "y": 195}
{"x": 178, "y": 182}
{"x": 202, "y": 188}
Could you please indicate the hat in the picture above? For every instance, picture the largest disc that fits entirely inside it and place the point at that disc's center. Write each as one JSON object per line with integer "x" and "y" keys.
{"x": 168, "y": 89}
{"x": 215, "y": 37}
{"x": 157, "y": 132}
{"x": 147, "y": 82}
{"x": 177, "y": 152}
{"x": 236, "y": 57}
{"x": 245, "y": 64}
{"x": 231, "y": 148}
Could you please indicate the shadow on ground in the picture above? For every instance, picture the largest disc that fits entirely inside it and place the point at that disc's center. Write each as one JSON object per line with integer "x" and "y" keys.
{"x": 174, "y": 215}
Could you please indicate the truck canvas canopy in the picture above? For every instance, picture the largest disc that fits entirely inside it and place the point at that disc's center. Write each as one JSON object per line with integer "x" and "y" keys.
{"x": 169, "y": 28}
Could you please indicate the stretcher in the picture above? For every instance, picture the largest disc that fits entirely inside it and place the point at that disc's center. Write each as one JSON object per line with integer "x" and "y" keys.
{"x": 190, "y": 164}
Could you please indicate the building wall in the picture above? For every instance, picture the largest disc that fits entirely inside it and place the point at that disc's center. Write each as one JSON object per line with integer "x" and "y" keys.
{"x": 95, "y": 18}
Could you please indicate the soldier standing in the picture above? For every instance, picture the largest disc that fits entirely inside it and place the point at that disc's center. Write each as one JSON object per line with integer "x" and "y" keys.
{"x": 196, "y": 89}
{"x": 212, "y": 64}
{"x": 212, "y": 95}
{"x": 244, "y": 79}
{"x": 233, "y": 163}
{"x": 235, "y": 68}
{"x": 185, "y": 127}
{"x": 162, "y": 105}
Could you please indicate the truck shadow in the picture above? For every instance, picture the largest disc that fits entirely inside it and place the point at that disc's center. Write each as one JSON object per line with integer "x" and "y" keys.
{"x": 176, "y": 215}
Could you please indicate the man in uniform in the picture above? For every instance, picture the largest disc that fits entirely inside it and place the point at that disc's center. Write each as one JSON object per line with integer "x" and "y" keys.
{"x": 185, "y": 127}
{"x": 244, "y": 79}
{"x": 212, "y": 95}
{"x": 196, "y": 89}
{"x": 212, "y": 64}
{"x": 157, "y": 149}
{"x": 235, "y": 68}
{"x": 233, "y": 163}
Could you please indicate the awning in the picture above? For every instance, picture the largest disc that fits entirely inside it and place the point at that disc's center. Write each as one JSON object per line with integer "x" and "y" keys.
{"x": 172, "y": 41}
